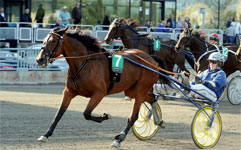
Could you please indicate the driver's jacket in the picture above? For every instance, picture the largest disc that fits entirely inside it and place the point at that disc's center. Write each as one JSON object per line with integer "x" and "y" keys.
{"x": 215, "y": 80}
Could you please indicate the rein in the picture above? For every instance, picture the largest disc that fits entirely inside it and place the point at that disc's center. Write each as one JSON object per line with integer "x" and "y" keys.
{"x": 169, "y": 46}
{"x": 161, "y": 69}
{"x": 95, "y": 54}
{"x": 158, "y": 68}
{"x": 80, "y": 57}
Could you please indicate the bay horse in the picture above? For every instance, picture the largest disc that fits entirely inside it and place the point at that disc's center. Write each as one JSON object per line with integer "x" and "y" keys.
{"x": 201, "y": 49}
{"x": 89, "y": 75}
{"x": 132, "y": 39}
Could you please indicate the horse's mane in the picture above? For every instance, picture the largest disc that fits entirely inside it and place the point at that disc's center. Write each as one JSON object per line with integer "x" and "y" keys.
{"x": 132, "y": 23}
{"x": 89, "y": 41}
{"x": 200, "y": 34}
{"x": 83, "y": 36}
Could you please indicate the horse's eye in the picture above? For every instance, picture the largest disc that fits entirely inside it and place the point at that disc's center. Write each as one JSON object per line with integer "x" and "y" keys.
{"x": 53, "y": 41}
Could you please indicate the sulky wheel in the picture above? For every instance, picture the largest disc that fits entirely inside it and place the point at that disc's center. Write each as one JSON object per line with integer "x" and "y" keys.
{"x": 234, "y": 90}
{"x": 202, "y": 135}
{"x": 144, "y": 127}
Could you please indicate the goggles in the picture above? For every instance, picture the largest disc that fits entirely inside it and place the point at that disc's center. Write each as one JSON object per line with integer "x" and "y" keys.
{"x": 213, "y": 61}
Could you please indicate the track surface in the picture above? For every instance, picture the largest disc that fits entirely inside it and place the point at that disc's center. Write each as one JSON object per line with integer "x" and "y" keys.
{"x": 28, "y": 110}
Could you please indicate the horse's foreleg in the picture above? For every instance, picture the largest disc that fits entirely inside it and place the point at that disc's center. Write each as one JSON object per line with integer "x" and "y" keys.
{"x": 94, "y": 101}
{"x": 134, "y": 116}
{"x": 181, "y": 65}
{"x": 67, "y": 97}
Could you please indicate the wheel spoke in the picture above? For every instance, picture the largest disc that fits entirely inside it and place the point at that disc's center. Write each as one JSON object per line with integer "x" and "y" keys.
{"x": 145, "y": 128}
{"x": 234, "y": 92}
{"x": 203, "y": 136}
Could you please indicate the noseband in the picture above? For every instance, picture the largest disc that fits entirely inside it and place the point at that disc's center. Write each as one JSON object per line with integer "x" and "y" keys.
{"x": 188, "y": 37}
{"x": 48, "y": 53}
{"x": 118, "y": 26}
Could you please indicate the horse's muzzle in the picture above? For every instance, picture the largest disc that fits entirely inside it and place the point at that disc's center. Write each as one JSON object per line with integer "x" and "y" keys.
{"x": 42, "y": 62}
{"x": 178, "y": 49}
{"x": 41, "y": 59}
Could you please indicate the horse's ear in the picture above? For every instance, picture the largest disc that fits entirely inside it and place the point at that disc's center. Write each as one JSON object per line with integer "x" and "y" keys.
{"x": 121, "y": 19}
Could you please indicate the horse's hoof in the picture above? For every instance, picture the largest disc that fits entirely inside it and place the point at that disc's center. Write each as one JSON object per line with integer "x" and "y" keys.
{"x": 162, "y": 124}
{"x": 115, "y": 144}
{"x": 43, "y": 139}
{"x": 127, "y": 98}
{"x": 109, "y": 117}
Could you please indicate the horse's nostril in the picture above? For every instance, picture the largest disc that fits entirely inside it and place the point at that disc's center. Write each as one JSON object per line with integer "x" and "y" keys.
{"x": 39, "y": 60}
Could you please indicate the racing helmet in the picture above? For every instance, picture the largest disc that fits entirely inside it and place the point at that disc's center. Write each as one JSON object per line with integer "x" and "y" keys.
{"x": 215, "y": 36}
{"x": 217, "y": 56}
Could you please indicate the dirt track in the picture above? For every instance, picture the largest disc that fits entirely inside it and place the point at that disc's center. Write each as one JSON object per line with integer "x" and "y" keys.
{"x": 27, "y": 112}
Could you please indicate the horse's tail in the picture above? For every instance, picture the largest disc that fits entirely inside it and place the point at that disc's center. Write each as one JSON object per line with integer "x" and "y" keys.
{"x": 161, "y": 64}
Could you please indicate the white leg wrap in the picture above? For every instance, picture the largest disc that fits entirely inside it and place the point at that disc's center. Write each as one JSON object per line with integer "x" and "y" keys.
{"x": 42, "y": 139}
{"x": 155, "y": 113}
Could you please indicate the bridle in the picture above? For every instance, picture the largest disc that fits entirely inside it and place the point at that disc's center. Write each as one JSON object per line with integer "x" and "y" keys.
{"x": 50, "y": 56}
{"x": 125, "y": 26}
{"x": 118, "y": 27}
{"x": 188, "y": 36}
{"x": 48, "y": 53}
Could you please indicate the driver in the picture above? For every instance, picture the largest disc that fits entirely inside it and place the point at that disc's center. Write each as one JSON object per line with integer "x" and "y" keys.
{"x": 211, "y": 82}
{"x": 214, "y": 39}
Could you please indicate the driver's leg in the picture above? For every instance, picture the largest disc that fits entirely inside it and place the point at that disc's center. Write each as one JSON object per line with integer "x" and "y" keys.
{"x": 204, "y": 91}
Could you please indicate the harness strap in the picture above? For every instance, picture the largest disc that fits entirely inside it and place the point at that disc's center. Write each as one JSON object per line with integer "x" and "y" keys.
{"x": 111, "y": 85}
{"x": 209, "y": 51}
{"x": 171, "y": 47}
{"x": 216, "y": 47}
{"x": 77, "y": 73}
{"x": 199, "y": 59}
{"x": 114, "y": 77}
{"x": 189, "y": 55}
{"x": 161, "y": 69}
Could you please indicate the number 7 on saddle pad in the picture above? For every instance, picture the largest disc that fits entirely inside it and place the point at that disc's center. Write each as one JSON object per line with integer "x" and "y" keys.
{"x": 117, "y": 63}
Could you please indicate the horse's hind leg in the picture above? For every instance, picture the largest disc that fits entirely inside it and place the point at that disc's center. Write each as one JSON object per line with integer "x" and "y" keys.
{"x": 67, "y": 97}
{"x": 152, "y": 99}
{"x": 134, "y": 116}
{"x": 94, "y": 101}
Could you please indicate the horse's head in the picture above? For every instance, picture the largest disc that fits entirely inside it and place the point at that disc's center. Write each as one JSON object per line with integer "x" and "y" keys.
{"x": 183, "y": 41}
{"x": 52, "y": 47}
{"x": 115, "y": 30}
